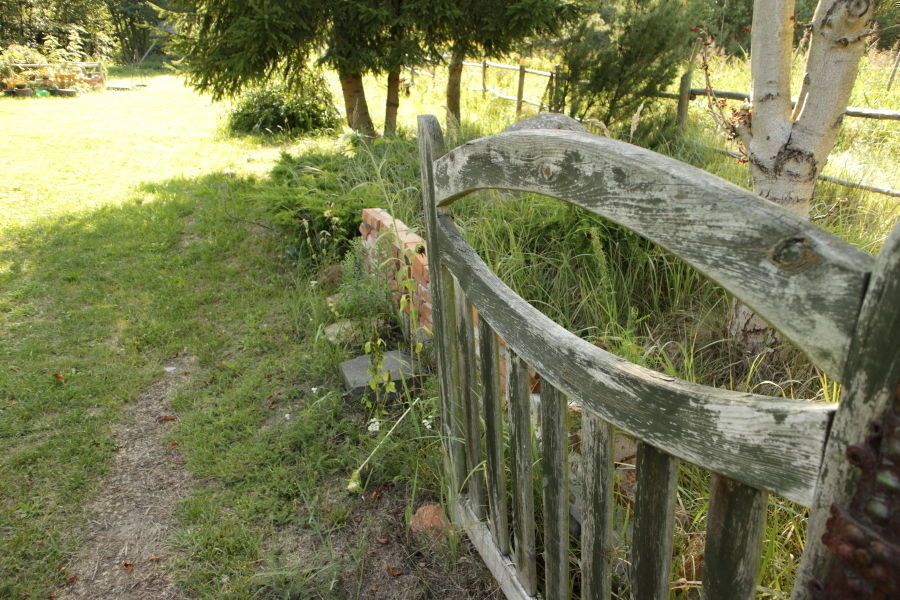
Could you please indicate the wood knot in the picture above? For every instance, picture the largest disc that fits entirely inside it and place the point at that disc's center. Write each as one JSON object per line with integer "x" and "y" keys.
{"x": 548, "y": 171}
{"x": 793, "y": 254}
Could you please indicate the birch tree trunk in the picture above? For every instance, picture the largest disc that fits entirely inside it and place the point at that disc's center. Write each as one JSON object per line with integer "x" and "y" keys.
{"x": 787, "y": 145}
{"x": 392, "y": 104}
{"x": 358, "y": 117}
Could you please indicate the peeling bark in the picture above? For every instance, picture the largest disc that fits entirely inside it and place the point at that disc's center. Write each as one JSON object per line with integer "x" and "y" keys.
{"x": 392, "y": 104}
{"x": 788, "y": 151}
{"x": 358, "y": 117}
{"x": 788, "y": 148}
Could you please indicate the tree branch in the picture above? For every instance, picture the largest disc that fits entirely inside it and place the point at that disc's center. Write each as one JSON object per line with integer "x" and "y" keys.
{"x": 839, "y": 30}
{"x": 770, "y": 65}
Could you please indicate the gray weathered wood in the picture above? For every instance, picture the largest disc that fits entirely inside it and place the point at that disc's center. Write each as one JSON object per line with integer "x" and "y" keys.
{"x": 501, "y": 568}
{"x": 454, "y": 398}
{"x": 555, "y": 477}
{"x": 654, "y": 519}
{"x": 493, "y": 433}
{"x": 597, "y": 516}
{"x": 765, "y": 442}
{"x": 804, "y": 281}
{"x": 469, "y": 401}
{"x": 872, "y": 380}
{"x": 734, "y": 533}
{"x": 521, "y": 469}
{"x": 431, "y": 145}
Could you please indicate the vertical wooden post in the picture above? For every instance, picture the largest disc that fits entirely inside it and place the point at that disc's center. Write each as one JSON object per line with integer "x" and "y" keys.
{"x": 431, "y": 146}
{"x": 654, "y": 520}
{"x": 894, "y": 69}
{"x": 684, "y": 90}
{"x": 521, "y": 469}
{"x": 493, "y": 425}
{"x": 521, "y": 91}
{"x": 871, "y": 385}
{"x": 555, "y": 104}
{"x": 735, "y": 525}
{"x": 412, "y": 75}
{"x": 483, "y": 78}
{"x": 684, "y": 98}
{"x": 597, "y": 517}
{"x": 556, "y": 492}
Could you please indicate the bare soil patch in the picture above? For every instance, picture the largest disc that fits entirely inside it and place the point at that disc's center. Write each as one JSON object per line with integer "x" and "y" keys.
{"x": 375, "y": 557}
{"x": 124, "y": 549}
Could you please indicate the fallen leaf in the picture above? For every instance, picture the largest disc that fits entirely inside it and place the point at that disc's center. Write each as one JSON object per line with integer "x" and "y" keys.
{"x": 58, "y": 376}
{"x": 393, "y": 571}
{"x": 128, "y": 565}
{"x": 154, "y": 558}
{"x": 70, "y": 580}
{"x": 383, "y": 541}
{"x": 172, "y": 445}
{"x": 164, "y": 418}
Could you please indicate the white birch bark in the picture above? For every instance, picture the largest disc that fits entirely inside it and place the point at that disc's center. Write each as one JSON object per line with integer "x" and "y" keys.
{"x": 788, "y": 149}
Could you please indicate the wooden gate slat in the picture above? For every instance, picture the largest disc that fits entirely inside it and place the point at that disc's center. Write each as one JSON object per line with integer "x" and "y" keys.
{"x": 493, "y": 426}
{"x": 597, "y": 516}
{"x": 469, "y": 401}
{"x": 734, "y": 532}
{"x": 521, "y": 463}
{"x": 654, "y": 519}
{"x": 768, "y": 443}
{"x": 554, "y": 438}
{"x": 455, "y": 412}
{"x": 431, "y": 146}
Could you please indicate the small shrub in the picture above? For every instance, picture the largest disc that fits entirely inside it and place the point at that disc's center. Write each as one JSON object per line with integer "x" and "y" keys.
{"x": 304, "y": 108}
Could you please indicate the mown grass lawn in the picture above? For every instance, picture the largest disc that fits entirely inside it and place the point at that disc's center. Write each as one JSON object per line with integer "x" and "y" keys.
{"x": 131, "y": 231}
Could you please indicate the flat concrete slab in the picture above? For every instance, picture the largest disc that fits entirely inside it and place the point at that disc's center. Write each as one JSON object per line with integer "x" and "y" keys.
{"x": 356, "y": 375}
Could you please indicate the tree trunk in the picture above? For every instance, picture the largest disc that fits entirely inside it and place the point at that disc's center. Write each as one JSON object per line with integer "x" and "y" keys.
{"x": 787, "y": 149}
{"x": 392, "y": 104}
{"x": 355, "y": 104}
{"x": 454, "y": 78}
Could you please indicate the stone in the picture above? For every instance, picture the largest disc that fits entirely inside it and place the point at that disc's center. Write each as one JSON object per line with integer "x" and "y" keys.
{"x": 356, "y": 376}
{"x": 431, "y": 520}
{"x": 344, "y": 331}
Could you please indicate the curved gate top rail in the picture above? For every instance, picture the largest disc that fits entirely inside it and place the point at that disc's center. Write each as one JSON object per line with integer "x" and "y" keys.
{"x": 806, "y": 282}
{"x": 835, "y": 302}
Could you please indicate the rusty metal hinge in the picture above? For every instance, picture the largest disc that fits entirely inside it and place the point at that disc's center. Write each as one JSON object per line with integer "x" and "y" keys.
{"x": 864, "y": 537}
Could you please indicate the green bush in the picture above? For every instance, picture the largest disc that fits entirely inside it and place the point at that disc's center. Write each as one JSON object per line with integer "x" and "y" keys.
{"x": 325, "y": 188}
{"x": 619, "y": 55}
{"x": 277, "y": 108}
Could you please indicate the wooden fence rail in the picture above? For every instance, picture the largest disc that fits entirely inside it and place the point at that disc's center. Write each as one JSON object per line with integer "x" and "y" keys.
{"x": 804, "y": 281}
{"x": 683, "y": 97}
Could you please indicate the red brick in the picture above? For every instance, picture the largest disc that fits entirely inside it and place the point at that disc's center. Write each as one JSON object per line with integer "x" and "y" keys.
{"x": 420, "y": 268}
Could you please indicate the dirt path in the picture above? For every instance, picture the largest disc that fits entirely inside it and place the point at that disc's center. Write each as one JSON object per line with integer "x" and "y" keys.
{"x": 127, "y": 527}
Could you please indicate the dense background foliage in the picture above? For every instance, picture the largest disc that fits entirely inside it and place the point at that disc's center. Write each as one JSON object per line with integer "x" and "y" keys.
{"x": 124, "y": 30}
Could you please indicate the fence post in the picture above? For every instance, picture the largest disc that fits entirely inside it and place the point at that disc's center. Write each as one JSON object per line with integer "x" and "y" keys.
{"x": 554, "y": 103}
{"x": 894, "y": 68}
{"x": 521, "y": 91}
{"x": 483, "y": 78}
{"x": 412, "y": 75}
{"x": 684, "y": 91}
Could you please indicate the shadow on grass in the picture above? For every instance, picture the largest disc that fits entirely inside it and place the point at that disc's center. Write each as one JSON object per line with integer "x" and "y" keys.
{"x": 91, "y": 306}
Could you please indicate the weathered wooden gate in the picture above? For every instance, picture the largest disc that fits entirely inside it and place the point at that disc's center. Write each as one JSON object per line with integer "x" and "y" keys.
{"x": 838, "y": 304}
